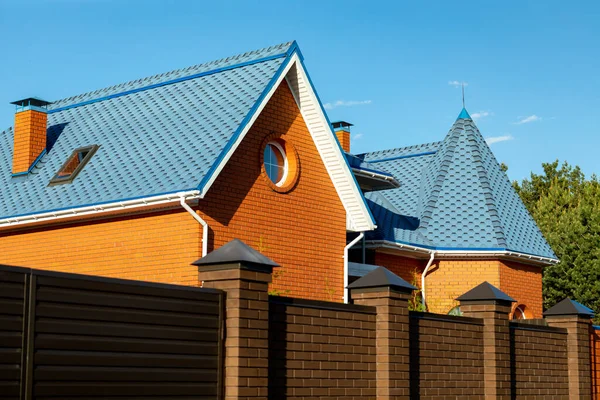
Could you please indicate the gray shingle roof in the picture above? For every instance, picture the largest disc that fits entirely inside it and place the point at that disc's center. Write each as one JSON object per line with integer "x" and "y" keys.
{"x": 453, "y": 195}
{"x": 157, "y": 135}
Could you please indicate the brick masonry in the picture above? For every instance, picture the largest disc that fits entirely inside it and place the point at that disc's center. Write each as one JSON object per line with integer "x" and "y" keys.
{"x": 446, "y": 356}
{"x": 320, "y": 350}
{"x": 595, "y": 361}
{"x": 539, "y": 361}
{"x": 448, "y": 279}
{"x": 29, "y": 138}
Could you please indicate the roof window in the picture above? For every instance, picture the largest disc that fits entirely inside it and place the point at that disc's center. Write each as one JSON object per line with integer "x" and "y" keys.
{"x": 74, "y": 164}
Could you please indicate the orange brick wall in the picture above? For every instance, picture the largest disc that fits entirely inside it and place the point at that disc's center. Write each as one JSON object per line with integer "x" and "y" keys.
{"x": 409, "y": 269}
{"x": 524, "y": 284}
{"x": 595, "y": 352}
{"x": 448, "y": 279}
{"x": 304, "y": 229}
{"x": 154, "y": 247}
{"x": 29, "y": 138}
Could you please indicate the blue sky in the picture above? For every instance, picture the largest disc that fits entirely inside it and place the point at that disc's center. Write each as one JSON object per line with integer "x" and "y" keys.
{"x": 390, "y": 68}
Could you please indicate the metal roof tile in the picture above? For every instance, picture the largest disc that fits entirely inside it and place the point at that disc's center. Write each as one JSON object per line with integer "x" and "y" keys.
{"x": 458, "y": 195}
{"x": 161, "y": 140}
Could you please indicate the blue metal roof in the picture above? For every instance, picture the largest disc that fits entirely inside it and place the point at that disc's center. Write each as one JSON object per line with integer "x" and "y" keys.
{"x": 453, "y": 195}
{"x": 157, "y": 135}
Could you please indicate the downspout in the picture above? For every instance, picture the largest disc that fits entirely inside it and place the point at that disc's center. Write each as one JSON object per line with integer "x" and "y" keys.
{"x": 423, "y": 278}
{"x": 200, "y": 221}
{"x": 348, "y": 246}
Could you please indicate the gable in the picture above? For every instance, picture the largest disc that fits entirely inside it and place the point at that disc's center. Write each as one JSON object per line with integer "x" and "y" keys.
{"x": 162, "y": 138}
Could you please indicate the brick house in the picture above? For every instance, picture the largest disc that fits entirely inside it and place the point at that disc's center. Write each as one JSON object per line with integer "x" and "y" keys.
{"x": 140, "y": 179}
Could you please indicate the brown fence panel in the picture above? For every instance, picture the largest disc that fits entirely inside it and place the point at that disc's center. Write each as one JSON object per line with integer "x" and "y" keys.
{"x": 446, "y": 356}
{"x": 538, "y": 361}
{"x": 12, "y": 304}
{"x": 321, "y": 350}
{"x": 91, "y": 337}
{"x": 595, "y": 351}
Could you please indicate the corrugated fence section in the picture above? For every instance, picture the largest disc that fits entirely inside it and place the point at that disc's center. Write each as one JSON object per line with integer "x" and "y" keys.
{"x": 12, "y": 296}
{"x": 87, "y": 337}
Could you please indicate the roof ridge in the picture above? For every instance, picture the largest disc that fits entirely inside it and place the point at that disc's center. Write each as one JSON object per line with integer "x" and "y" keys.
{"x": 395, "y": 149}
{"x": 266, "y": 52}
{"x": 484, "y": 180}
{"x": 427, "y": 201}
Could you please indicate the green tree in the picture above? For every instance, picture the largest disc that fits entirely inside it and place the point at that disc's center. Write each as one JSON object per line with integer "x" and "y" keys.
{"x": 566, "y": 207}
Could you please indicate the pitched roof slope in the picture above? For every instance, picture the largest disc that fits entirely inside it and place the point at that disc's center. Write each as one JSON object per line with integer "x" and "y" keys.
{"x": 459, "y": 196}
{"x": 157, "y": 135}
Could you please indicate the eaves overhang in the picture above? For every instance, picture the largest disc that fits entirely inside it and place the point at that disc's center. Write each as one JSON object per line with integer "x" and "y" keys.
{"x": 462, "y": 253}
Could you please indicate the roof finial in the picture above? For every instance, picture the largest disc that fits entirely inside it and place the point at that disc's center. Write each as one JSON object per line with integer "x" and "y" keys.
{"x": 463, "y": 93}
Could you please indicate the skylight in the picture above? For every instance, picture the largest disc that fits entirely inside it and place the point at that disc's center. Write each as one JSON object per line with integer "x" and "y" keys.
{"x": 74, "y": 164}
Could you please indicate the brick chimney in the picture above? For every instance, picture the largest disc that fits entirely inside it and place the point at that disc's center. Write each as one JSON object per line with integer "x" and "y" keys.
{"x": 342, "y": 131}
{"x": 29, "y": 133}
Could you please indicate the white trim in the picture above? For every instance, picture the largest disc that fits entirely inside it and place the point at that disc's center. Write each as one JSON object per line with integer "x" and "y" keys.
{"x": 463, "y": 253}
{"x": 359, "y": 217}
{"x": 99, "y": 209}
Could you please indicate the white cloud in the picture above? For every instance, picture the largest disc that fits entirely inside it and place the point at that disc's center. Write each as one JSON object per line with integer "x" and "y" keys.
{"x": 481, "y": 114}
{"x": 526, "y": 120}
{"x": 357, "y": 136}
{"x": 457, "y": 83}
{"x": 343, "y": 103}
{"x": 497, "y": 139}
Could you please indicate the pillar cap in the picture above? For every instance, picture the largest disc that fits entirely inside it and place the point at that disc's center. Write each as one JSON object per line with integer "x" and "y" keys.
{"x": 569, "y": 307}
{"x": 381, "y": 278}
{"x": 485, "y": 291}
{"x": 235, "y": 252}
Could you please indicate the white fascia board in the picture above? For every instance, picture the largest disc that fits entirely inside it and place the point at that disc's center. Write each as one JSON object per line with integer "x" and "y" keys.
{"x": 463, "y": 253}
{"x": 93, "y": 210}
{"x": 358, "y": 215}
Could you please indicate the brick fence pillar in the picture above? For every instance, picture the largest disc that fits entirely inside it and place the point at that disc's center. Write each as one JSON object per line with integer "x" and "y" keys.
{"x": 493, "y": 306}
{"x": 576, "y": 319}
{"x": 244, "y": 274}
{"x": 389, "y": 294}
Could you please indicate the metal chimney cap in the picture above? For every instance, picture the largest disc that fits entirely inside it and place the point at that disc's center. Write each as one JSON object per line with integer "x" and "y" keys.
{"x": 31, "y": 101}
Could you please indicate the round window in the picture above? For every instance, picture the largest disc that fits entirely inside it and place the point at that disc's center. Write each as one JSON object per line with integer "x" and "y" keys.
{"x": 276, "y": 163}
{"x": 279, "y": 163}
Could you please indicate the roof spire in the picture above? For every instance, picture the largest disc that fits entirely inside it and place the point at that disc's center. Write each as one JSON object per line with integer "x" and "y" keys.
{"x": 463, "y": 113}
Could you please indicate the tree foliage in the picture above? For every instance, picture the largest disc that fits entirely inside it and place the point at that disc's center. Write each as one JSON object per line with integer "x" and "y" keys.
{"x": 566, "y": 207}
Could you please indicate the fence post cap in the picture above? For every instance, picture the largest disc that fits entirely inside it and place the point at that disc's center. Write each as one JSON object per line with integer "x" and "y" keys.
{"x": 237, "y": 253}
{"x": 382, "y": 278}
{"x": 485, "y": 292}
{"x": 569, "y": 307}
